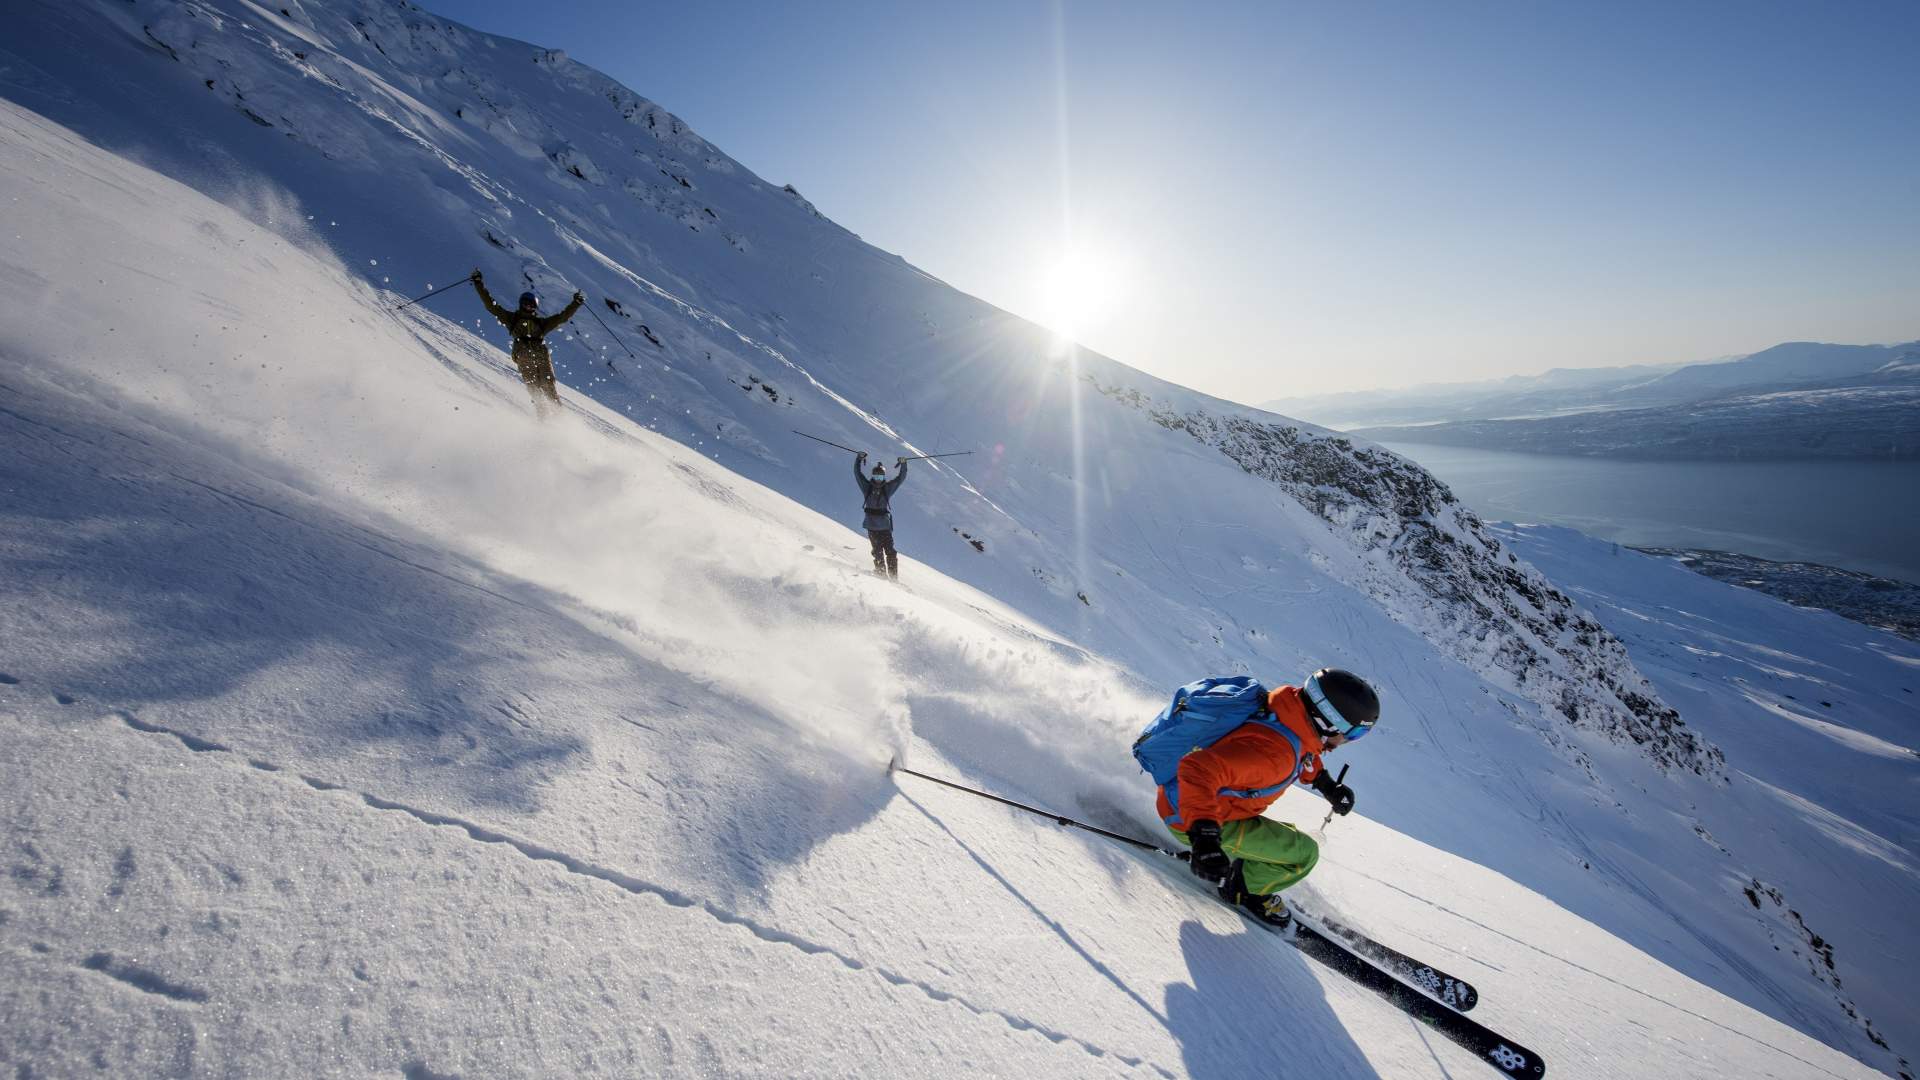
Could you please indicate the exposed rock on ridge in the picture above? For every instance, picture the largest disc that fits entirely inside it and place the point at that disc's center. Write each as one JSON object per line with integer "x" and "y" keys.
{"x": 1483, "y": 605}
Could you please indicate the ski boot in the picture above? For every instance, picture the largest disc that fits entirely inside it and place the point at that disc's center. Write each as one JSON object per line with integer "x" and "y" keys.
{"x": 1269, "y": 908}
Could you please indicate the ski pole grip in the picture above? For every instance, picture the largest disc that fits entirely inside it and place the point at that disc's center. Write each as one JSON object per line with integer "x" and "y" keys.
{"x": 1341, "y": 779}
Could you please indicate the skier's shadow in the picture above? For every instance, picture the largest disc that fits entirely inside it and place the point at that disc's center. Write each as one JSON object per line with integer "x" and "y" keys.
{"x": 1255, "y": 1009}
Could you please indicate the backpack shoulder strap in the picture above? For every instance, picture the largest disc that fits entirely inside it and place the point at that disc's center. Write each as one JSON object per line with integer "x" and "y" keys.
{"x": 1267, "y": 719}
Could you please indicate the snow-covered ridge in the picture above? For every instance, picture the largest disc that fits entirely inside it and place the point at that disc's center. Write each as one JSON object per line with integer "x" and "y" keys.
{"x": 593, "y": 138}
{"x": 1451, "y": 580}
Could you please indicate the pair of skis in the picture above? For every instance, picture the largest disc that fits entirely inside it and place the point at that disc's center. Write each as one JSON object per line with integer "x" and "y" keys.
{"x": 1441, "y": 1001}
{"x": 1451, "y": 990}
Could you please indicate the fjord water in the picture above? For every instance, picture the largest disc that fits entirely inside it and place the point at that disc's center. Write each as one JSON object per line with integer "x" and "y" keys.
{"x": 1857, "y": 515}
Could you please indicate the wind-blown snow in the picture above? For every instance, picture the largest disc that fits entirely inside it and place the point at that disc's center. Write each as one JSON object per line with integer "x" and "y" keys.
{"x": 367, "y": 107}
{"x": 357, "y": 722}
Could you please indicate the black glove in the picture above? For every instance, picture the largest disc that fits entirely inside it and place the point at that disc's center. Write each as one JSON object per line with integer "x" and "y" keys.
{"x": 859, "y": 455}
{"x": 898, "y": 462}
{"x": 1340, "y": 795}
{"x": 1208, "y": 861}
{"x": 579, "y": 297}
{"x": 474, "y": 277}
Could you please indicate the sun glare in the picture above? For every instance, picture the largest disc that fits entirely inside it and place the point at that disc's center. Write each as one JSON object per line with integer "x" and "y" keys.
{"x": 1077, "y": 291}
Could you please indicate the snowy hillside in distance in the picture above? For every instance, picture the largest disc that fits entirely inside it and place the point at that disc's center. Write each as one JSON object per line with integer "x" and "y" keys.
{"x": 1792, "y": 363}
{"x": 352, "y": 718}
{"x": 1877, "y": 422}
{"x": 1882, "y": 603}
{"x": 1552, "y": 391}
{"x": 1797, "y": 401}
{"x": 1573, "y": 398}
{"x": 1817, "y": 713}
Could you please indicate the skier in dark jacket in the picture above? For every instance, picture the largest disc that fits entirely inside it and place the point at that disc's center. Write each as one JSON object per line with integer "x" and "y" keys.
{"x": 878, "y": 493}
{"x": 530, "y": 329}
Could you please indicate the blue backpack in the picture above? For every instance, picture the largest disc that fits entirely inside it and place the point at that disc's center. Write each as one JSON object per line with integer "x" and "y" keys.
{"x": 1201, "y": 714}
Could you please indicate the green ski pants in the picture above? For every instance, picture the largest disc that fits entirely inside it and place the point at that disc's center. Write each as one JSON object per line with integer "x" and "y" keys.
{"x": 1275, "y": 854}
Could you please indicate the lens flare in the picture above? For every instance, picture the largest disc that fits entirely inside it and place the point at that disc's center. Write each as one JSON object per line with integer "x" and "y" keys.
{"x": 1078, "y": 291}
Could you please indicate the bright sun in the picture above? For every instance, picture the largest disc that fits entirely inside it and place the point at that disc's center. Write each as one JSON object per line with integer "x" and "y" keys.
{"x": 1077, "y": 292}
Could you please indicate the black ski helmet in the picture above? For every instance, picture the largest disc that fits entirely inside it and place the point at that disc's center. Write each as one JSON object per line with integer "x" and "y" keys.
{"x": 1340, "y": 703}
{"x": 879, "y": 468}
{"x": 527, "y": 299}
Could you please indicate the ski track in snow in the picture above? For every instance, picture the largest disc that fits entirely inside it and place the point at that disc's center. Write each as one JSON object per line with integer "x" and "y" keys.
{"x": 129, "y": 974}
{"x": 143, "y": 980}
{"x": 1577, "y": 966}
{"x": 148, "y": 982}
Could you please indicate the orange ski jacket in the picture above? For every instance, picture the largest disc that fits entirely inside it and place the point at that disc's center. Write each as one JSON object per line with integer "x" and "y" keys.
{"x": 1247, "y": 759}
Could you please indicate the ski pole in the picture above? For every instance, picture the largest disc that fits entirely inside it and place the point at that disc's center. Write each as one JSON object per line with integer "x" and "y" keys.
{"x": 829, "y": 442}
{"x": 927, "y": 457}
{"x": 610, "y": 333}
{"x": 581, "y": 340}
{"x": 435, "y": 292}
{"x": 1328, "y": 820}
{"x": 1058, "y": 819}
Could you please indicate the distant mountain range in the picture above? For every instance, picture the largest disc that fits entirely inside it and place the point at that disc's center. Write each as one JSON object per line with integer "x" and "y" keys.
{"x": 1516, "y": 395}
{"x": 1793, "y": 401}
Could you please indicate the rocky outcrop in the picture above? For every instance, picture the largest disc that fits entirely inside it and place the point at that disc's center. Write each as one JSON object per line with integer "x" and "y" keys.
{"x": 1450, "y": 580}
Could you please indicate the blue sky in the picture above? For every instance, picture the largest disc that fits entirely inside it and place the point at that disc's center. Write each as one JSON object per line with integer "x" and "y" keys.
{"x": 1269, "y": 199}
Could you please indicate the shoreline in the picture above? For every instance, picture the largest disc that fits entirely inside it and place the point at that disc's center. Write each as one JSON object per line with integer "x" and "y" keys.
{"x": 1882, "y": 603}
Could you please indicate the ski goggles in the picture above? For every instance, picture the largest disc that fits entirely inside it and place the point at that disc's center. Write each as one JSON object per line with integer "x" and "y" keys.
{"x": 1324, "y": 708}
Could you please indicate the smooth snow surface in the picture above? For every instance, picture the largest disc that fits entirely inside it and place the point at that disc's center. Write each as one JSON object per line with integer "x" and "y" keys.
{"x": 355, "y": 724}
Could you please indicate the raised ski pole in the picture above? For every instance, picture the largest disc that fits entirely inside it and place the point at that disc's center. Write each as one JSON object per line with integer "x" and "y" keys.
{"x": 829, "y": 442}
{"x": 1328, "y": 820}
{"x": 928, "y": 457}
{"x": 435, "y": 292}
{"x": 894, "y": 766}
{"x": 611, "y": 334}
{"x": 1341, "y": 779}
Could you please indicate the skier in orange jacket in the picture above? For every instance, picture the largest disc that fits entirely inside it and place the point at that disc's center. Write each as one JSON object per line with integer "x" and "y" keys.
{"x": 1222, "y": 789}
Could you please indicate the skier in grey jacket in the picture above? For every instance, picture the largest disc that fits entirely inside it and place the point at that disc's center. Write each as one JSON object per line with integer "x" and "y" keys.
{"x": 878, "y": 493}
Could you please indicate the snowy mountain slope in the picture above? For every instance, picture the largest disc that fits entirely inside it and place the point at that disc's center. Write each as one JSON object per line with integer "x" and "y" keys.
{"x": 1818, "y": 716}
{"x": 1390, "y": 506}
{"x": 1882, "y": 603}
{"x": 404, "y": 141}
{"x": 342, "y": 743}
{"x": 425, "y": 147}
